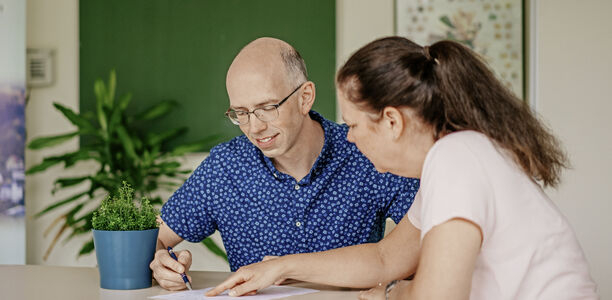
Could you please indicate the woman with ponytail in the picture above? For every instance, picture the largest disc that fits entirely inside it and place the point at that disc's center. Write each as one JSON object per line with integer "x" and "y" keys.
{"x": 481, "y": 226}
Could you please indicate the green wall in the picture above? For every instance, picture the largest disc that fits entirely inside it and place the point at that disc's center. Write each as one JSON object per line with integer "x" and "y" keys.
{"x": 181, "y": 49}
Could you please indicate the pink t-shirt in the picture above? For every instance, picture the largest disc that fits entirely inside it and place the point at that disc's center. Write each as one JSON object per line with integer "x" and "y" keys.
{"x": 529, "y": 250}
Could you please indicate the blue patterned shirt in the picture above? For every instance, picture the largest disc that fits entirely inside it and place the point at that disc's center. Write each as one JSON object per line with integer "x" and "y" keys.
{"x": 260, "y": 211}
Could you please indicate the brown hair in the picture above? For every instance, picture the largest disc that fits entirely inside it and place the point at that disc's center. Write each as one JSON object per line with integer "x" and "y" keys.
{"x": 451, "y": 89}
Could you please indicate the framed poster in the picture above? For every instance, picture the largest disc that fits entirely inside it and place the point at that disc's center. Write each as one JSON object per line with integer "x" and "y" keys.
{"x": 12, "y": 130}
{"x": 492, "y": 28}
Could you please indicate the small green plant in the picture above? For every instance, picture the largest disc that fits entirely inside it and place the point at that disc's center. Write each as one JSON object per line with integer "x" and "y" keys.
{"x": 120, "y": 213}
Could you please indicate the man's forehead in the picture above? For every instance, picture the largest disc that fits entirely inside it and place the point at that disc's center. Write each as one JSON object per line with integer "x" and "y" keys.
{"x": 252, "y": 100}
{"x": 253, "y": 89}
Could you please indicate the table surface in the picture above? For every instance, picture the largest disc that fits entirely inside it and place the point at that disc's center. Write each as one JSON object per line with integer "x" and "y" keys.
{"x": 37, "y": 282}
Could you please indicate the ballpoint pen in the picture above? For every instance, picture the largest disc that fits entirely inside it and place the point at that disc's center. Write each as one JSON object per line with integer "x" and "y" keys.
{"x": 182, "y": 274}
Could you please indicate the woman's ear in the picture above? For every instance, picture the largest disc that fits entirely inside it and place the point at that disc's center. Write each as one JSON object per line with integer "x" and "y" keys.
{"x": 307, "y": 97}
{"x": 393, "y": 121}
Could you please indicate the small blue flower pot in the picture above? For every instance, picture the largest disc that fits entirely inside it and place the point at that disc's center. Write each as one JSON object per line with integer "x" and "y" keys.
{"x": 124, "y": 258}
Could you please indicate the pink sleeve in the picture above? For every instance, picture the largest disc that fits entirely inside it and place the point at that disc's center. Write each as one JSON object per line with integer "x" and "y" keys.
{"x": 455, "y": 185}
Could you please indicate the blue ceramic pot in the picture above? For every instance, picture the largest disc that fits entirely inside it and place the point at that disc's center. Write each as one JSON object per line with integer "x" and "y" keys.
{"x": 124, "y": 258}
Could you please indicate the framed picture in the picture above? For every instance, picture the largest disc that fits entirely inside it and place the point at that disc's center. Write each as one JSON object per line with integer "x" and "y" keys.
{"x": 492, "y": 28}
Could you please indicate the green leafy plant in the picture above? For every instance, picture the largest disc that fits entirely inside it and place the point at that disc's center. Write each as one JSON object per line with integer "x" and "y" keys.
{"x": 120, "y": 212}
{"x": 123, "y": 150}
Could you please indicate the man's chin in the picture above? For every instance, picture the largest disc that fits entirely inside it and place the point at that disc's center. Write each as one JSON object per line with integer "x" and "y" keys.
{"x": 270, "y": 153}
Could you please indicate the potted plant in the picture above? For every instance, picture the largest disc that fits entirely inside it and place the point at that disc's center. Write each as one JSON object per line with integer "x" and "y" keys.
{"x": 124, "y": 149}
{"x": 125, "y": 236}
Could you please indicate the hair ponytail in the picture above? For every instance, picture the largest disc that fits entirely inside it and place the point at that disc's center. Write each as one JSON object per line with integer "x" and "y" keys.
{"x": 452, "y": 89}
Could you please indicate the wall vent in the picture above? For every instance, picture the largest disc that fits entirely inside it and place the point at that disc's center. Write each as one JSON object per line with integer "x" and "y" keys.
{"x": 40, "y": 67}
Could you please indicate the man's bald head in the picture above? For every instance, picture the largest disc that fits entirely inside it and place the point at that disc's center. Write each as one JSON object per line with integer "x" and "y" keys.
{"x": 272, "y": 58}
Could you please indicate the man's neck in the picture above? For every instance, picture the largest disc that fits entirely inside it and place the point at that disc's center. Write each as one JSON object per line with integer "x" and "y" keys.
{"x": 301, "y": 157}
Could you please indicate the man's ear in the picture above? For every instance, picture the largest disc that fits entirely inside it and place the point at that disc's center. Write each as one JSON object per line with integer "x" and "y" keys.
{"x": 393, "y": 122}
{"x": 307, "y": 97}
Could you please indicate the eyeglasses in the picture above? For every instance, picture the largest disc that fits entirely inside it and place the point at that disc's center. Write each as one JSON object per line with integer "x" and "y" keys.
{"x": 265, "y": 114}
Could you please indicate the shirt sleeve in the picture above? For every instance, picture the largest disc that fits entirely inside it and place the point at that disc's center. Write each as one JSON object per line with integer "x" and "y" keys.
{"x": 454, "y": 184}
{"x": 404, "y": 191}
{"x": 187, "y": 212}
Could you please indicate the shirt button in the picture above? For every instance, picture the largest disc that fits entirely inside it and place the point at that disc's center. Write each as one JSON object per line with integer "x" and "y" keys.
{"x": 297, "y": 187}
{"x": 275, "y": 176}
{"x": 298, "y": 223}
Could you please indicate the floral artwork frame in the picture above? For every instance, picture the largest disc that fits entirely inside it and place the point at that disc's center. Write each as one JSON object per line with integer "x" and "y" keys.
{"x": 492, "y": 28}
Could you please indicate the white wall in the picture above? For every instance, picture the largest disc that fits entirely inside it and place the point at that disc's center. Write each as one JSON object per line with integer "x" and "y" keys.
{"x": 51, "y": 25}
{"x": 573, "y": 95}
{"x": 574, "y": 67}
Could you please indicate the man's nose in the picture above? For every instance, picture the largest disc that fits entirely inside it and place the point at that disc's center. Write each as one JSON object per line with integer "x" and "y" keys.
{"x": 256, "y": 125}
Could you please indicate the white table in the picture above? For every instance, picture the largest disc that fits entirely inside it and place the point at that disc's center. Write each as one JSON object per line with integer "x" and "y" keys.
{"x": 33, "y": 282}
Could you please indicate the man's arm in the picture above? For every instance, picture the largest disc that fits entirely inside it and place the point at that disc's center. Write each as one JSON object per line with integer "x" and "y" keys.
{"x": 166, "y": 270}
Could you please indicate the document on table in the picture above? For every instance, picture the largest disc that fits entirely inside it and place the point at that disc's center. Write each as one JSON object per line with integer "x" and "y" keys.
{"x": 272, "y": 292}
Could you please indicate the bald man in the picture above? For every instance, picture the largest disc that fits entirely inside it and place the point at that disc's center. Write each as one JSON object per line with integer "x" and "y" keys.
{"x": 291, "y": 184}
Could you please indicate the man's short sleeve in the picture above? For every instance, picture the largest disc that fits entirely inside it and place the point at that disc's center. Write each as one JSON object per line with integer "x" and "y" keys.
{"x": 187, "y": 212}
{"x": 404, "y": 191}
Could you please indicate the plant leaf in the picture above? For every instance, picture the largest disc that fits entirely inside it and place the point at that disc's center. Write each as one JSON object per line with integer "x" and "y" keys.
{"x": 124, "y": 101}
{"x": 70, "y": 215}
{"x": 112, "y": 84}
{"x": 195, "y": 146}
{"x": 160, "y": 109}
{"x": 61, "y": 183}
{"x": 82, "y": 123}
{"x": 100, "y": 91}
{"x": 444, "y": 19}
{"x": 212, "y": 246}
{"x": 87, "y": 248}
{"x": 156, "y": 139}
{"x": 48, "y": 141}
{"x": 69, "y": 159}
{"x": 45, "y": 164}
{"x": 59, "y": 203}
{"x": 126, "y": 141}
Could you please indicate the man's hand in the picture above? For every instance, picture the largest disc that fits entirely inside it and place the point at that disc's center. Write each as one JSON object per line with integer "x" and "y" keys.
{"x": 166, "y": 270}
{"x": 252, "y": 278}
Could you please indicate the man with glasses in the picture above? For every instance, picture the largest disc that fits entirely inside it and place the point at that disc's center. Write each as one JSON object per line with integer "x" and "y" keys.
{"x": 292, "y": 183}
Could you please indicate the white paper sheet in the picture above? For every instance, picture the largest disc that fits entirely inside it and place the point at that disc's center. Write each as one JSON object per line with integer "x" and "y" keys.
{"x": 272, "y": 292}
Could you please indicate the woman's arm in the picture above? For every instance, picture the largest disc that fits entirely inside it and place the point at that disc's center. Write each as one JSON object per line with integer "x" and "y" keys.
{"x": 359, "y": 266}
{"x": 448, "y": 257}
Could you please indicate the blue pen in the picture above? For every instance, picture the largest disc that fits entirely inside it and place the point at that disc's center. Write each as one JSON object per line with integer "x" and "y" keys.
{"x": 182, "y": 274}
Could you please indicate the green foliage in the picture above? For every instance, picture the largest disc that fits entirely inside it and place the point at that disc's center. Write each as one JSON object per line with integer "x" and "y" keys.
{"x": 120, "y": 213}
{"x": 124, "y": 150}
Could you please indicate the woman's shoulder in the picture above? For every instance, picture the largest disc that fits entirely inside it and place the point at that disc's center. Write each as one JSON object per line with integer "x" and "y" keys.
{"x": 465, "y": 142}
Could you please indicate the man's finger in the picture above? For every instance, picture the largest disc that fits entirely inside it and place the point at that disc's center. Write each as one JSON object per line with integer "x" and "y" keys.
{"x": 184, "y": 257}
{"x": 171, "y": 264}
{"x": 170, "y": 285}
{"x": 169, "y": 275}
{"x": 229, "y": 283}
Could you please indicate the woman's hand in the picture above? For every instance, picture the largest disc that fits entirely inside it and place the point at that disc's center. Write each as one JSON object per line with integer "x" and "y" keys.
{"x": 375, "y": 293}
{"x": 252, "y": 278}
{"x": 401, "y": 287}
